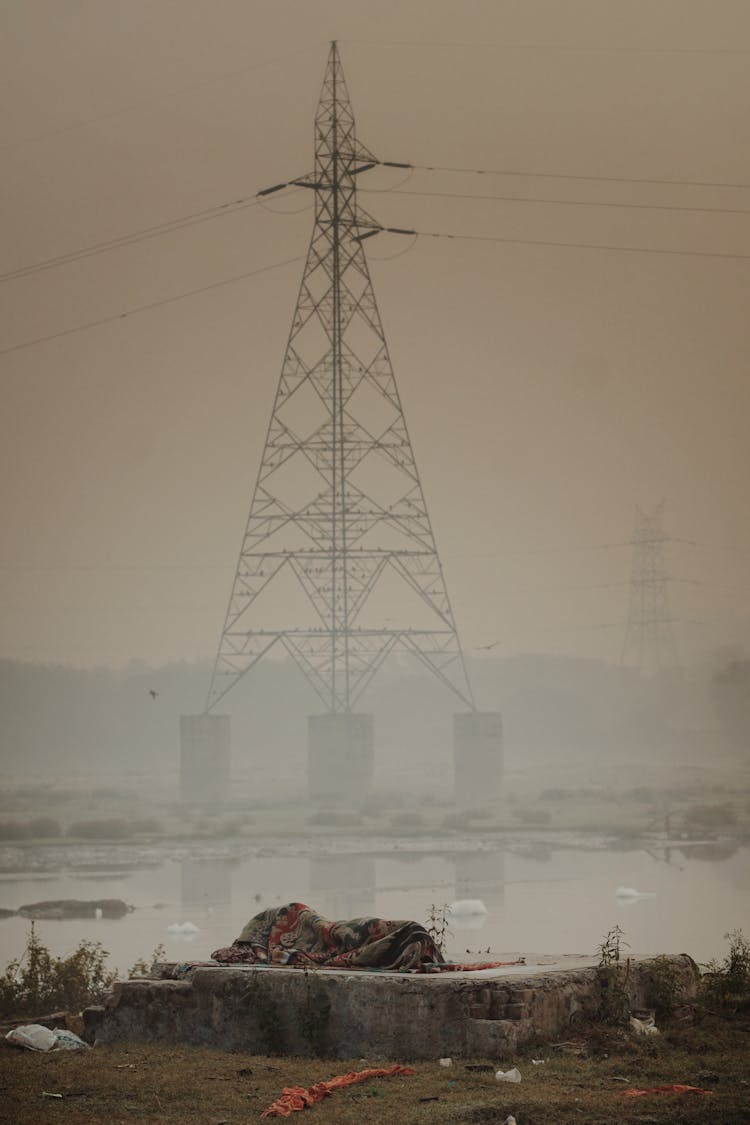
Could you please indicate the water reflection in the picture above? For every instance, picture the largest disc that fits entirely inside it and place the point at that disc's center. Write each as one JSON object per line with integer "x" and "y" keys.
{"x": 481, "y": 875}
{"x": 539, "y": 899}
{"x": 206, "y": 885}
{"x": 346, "y": 884}
{"x": 711, "y": 852}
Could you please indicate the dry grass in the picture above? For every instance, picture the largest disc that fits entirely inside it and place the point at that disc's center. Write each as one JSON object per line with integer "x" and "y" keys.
{"x": 580, "y": 1083}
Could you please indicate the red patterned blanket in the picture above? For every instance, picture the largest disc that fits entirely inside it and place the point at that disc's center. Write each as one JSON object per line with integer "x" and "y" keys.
{"x": 294, "y": 935}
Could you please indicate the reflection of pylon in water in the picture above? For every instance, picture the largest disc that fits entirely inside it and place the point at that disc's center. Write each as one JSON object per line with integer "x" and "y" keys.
{"x": 338, "y": 507}
{"x": 649, "y": 639}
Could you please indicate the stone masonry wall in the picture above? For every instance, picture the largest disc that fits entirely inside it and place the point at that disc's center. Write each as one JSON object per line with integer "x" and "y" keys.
{"x": 344, "y": 1015}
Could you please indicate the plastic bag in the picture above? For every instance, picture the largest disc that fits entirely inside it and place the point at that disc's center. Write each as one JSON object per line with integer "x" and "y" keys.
{"x": 68, "y": 1041}
{"x": 644, "y": 1027}
{"x": 513, "y": 1075}
{"x": 32, "y": 1036}
{"x": 35, "y": 1037}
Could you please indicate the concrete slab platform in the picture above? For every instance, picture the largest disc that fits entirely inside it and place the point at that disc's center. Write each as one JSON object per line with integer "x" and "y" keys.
{"x": 335, "y": 1013}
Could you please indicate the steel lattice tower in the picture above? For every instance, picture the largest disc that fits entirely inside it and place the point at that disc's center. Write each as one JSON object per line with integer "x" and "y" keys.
{"x": 649, "y": 640}
{"x": 337, "y": 429}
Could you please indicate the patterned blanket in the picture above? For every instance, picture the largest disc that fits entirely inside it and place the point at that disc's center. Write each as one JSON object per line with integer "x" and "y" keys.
{"x": 295, "y": 935}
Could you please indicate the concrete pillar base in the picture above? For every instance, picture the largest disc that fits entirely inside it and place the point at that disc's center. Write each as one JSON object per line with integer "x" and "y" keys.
{"x": 339, "y": 756}
{"x": 477, "y": 757}
{"x": 204, "y": 759}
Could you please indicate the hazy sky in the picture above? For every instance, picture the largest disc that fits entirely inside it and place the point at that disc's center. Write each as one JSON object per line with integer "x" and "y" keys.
{"x": 548, "y": 389}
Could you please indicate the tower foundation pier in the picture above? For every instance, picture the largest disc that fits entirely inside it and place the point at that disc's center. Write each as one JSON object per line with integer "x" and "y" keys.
{"x": 204, "y": 758}
{"x": 340, "y": 758}
{"x": 477, "y": 757}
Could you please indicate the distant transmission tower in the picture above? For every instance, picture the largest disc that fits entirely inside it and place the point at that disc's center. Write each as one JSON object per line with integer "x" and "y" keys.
{"x": 338, "y": 505}
{"x": 649, "y": 640}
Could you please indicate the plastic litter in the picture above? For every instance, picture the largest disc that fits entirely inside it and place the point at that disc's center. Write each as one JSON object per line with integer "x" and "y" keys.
{"x": 510, "y": 1120}
{"x": 36, "y": 1037}
{"x": 32, "y": 1036}
{"x": 644, "y": 1027}
{"x": 513, "y": 1075}
{"x": 538, "y": 1062}
{"x": 68, "y": 1041}
{"x": 446, "y": 1062}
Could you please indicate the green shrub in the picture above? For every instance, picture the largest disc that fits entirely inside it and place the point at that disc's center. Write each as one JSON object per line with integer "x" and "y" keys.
{"x": 437, "y": 925}
{"x": 613, "y": 974}
{"x": 727, "y": 982}
{"x": 664, "y": 989}
{"x": 144, "y": 965}
{"x": 36, "y": 982}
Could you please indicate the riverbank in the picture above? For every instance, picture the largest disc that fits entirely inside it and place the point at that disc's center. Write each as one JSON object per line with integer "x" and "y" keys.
{"x": 581, "y": 1081}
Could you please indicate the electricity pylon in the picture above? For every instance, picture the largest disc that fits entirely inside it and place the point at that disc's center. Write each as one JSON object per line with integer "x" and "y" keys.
{"x": 649, "y": 640}
{"x": 338, "y": 502}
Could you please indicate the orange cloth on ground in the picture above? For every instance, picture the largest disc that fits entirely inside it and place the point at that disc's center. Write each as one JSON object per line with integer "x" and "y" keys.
{"x": 674, "y": 1089}
{"x": 297, "y": 1097}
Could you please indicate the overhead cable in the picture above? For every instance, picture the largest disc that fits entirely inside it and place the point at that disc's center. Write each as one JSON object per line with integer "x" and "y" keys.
{"x": 562, "y": 175}
{"x": 150, "y": 305}
{"x": 154, "y": 231}
{"x": 562, "y": 202}
{"x": 563, "y": 48}
{"x": 563, "y": 244}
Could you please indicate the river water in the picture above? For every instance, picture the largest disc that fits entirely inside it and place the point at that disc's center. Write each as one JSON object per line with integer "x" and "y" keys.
{"x": 541, "y": 897}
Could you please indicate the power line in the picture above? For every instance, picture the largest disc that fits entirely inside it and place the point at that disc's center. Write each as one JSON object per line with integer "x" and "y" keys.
{"x": 126, "y": 239}
{"x": 563, "y": 48}
{"x": 154, "y": 231}
{"x": 563, "y": 202}
{"x": 562, "y": 244}
{"x": 244, "y": 202}
{"x": 149, "y": 305}
{"x": 562, "y": 175}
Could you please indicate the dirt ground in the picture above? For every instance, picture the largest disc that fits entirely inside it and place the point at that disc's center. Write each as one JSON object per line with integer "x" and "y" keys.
{"x": 581, "y": 1081}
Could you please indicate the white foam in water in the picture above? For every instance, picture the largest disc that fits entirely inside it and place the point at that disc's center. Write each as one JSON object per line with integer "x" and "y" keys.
{"x": 182, "y": 928}
{"x": 466, "y": 906}
{"x": 631, "y": 892}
